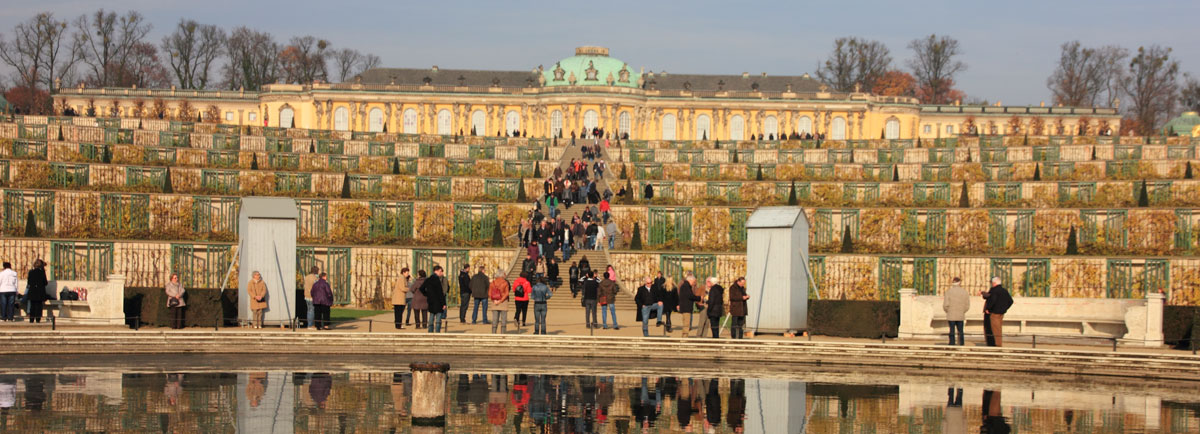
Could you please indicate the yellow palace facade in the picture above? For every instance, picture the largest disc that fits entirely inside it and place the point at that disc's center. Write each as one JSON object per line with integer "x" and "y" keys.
{"x": 582, "y": 92}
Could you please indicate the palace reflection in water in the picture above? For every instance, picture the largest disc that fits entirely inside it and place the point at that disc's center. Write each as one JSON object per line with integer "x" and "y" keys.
{"x": 266, "y": 402}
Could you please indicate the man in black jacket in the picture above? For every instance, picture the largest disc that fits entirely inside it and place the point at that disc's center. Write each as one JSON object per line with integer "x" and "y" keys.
{"x": 464, "y": 292}
{"x": 434, "y": 289}
{"x": 996, "y": 304}
{"x": 573, "y": 275}
{"x": 591, "y": 292}
{"x": 687, "y": 303}
{"x": 648, "y": 303}
{"x": 479, "y": 291}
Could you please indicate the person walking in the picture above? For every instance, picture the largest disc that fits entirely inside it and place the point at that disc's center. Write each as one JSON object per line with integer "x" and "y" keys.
{"x": 608, "y": 301}
{"x": 35, "y": 292}
{"x": 591, "y": 294}
{"x": 997, "y": 304}
{"x": 309, "y": 280}
{"x": 669, "y": 295}
{"x": 434, "y": 290}
{"x": 257, "y": 291}
{"x": 499, "y": 296}
{"x": 649, "y": 303}
{"x": 175, "y": 300}
{"x": 573, "y": 276}
{"x": 737, "y": 308}
{"x": 687, "y": 302}
{"x": 540, "y": 295}
{"x": 955, "y": 303}
{"x": 521, "y": 290}
{"x": 464, "y": 292}
{"x": 322, "y": 301}
{"x": 716, "y": 306}
{"x": 419, "y": 302}
{"x": 8, "y": 292}
{"x": 479, "y": 291}
{"x": 400, "y": 297}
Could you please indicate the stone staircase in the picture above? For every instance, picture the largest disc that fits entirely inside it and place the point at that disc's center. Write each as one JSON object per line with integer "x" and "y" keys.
{"x": 598, "y": 259}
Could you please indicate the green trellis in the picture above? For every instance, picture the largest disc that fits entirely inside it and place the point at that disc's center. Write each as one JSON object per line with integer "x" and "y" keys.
{"x": 69, "y": 175}
{"x": 201, "y": 265}
{"x": 729, "y": 191}
{"x": 768, "y": 171}
{"x": 701, "y": 171}
{"x": 283, "y": 161}
{"x": 177, "y": 139}
{"x": 929, "y": 234}
{"x": 1104, "y": 227}
{"x": 891, "y": 277}
{"x": 737, "y": 224}
{"x": 648, "y": 170}
{"x": 407, "y": 165}
{"x": 1185, "y": 220}
{"x": 925, "y": 276}
{"x": 474, "y": 222}
{"x": 313, "y": 222}
{"x": 931, "y": 192}
{"x": 342, "y": 163}
{"x": 335, "y": 261}
{"x": 670, "y": 225}
{"x": 517, "y": 168}
{"x": 32, "y": 131}
{"x": 329, "y": 146}
{"x": 501, "y": 189}
{"x": 158, "y": 156}
{"x": 435, "y": 150}
{"x": 1069, "y": 191}
{"x": 784, "y": 189}
{"x": 690, "y": 156}
{"x": 936, "y": 172}
{"x": 997, "y": 171}
{"x": 93, "y": 152}
{"x": 392, "y": 220}
{"x": 18, "y": 202}
{"x": 220, "y": 158}
{"x": 889, "y": 156}
{"x": 1120, "y": 169}
{"x": 1127, "y": 152}
{"x": 460, "y": 166}
{"x": 366, "y": 184}
{"x": 220, "y": 181}
{"x": 433, "y": 187}
{"x": 136, "y": 176}
{"x": 83, "y": 260}
{"x": 1130, "y": 279}
{"x": 993, "y": 155}
{"x": 215, "y": 214}
{"x": 860, "y": 192}
{"x": 479, "y": 152}
{"x": 530, "y": 153}
{"x": 662, "y": 189}
{"x": 941, "y": 155}
{"x": 121, "y": 213}
{"x": 1057, "y": 169}
{"x": 381, "y": 149}
{"x": 1045, "y": 153}
{"x": 1181, "y": 152}
{"x": 839, "y": 155}
{"x": 293, "y": 182}
{"x": 878, "y": 172}
{"x": 1002, "y": 192}
{"x": 118, "y": 136}
{"x": 225, "y": 141}
{"x": 1157, "y": 192}
{"x": 818, "y": 171}
{"x": 279, "y": 144}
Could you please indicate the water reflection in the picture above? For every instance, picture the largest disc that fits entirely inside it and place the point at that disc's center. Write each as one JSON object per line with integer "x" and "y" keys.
{"x": 284, "y": 402}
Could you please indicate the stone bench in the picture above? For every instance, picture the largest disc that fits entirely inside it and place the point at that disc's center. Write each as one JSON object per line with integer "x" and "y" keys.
{"x": 69, "y": 308}
{"x": 1131, "y": 320}
{"x": 105, "y": 304}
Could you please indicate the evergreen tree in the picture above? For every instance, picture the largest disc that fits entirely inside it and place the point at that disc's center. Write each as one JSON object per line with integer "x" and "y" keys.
{"x": 1072, "y": 242}
{"x": 792, "y": 195}
{"x": 106, "y": 156}
{"x": 968, "y": 156}
{"x": 705, "y": 136}
{"x": 521, "y": 191}
{"x": 717, "y": 144}
{"x": 472, "y": 130}
{"x": 851, "y": 156}
{"x": 167, "y": 188}
{"x": 847, "y": 243}
{"x": 895, "y": 173}
{"x": 918, "y": 142}
{"x": 497, "y": 236}
{"x": 1025, "y": 140}
{"x": 345, "y": 185}
{"x": 735, "y": 155}
{"x": 30, "y": 224}
{"x": 1143, "y": 199}
{"x": 546, "y": 154}
{"x": 395, "y": 165}
{"x": 1093, "y": 153}
{"x": 1187, "y": 173}
{"x": 312, "y": 147}
{"x": 964, "y": 200}
{"x": 624, "y": 174}
{"x": 760, "y": 173}
{"x": 636, "y": 242}
{"x": 537, "y": 170}
{"x": 60, "y": 135}
{"x": 254, "y": 161}
{"x": 1037, "y": 171}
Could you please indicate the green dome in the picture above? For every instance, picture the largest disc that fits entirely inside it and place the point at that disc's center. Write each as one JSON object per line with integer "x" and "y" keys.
{"x": 591, "y": 66}
{"x": 1182, "y": 125}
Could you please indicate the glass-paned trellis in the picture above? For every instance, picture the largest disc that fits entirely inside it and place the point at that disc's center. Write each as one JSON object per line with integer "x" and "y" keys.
{"x": 677, "y": 266}
{"x": 860, "y": 192}
{"x": 670, "y": 225}
{"x": 832, "y": 224}
{"x": 329, "y": 146}
{"x": 83, "y": 260}
{"x": 283, "y": 161}
{"x": 1057, "y": 169}
{"x": 1134, "y": 278}
{"x": 279, "y": 145}
{"x": 891, "y": 277}
{"x": 941, "y": 155}
{"x": 993, "y": 155}
{"x": 215, "y": 215}
{"x": 1076, "y": 192}
{"x": 145, "y": 177}
{"x": 29, "y": 149}
{"x": 293, "y": 182}
{"x": 931, "y": 193}
{"x": 335, "y": 261}
{"x": 156, "y": 156}
{"x": 1186, "y": 221}
{"x": 381, "y": 149}
{"x": 222, "y": 159}
{"x": 1104, "y": 228}
{"x": 404, "y": 165}
{"x": 313, "y": 224}
{"x": 1023, "y": 229}
{"x": 1045, "y": 153}
{"x": 517, "y": 168}
{"x": 924, "y": 230}
{"x": 433, "y": 187}
{"x": 436, "y": 150}
{"x": 94, "y": 152}
{"x": 219, "y": 181}
{"x": 501, "y": 189}
{"x": 124, "y": 215}
{"x": 737, "y": 224}
{"x": 662, "y": 189}
{"x": 18, "y": 203}
{"x": 878, "y": 172}
{"x": 366, "y": 184}
{"x": 784, "y": 190}
{"x": 343, "y": 163}
{"x": 460, "y": 166}
{"x": 474, "y": 222}
{"x": 648, "y": 170}
{"x": 391, "y": 220}
{"x": 936, "y": 172}
{"x": 201, "y": 265}
{"x": 69, "y": 175}
{"x": 1001, "y": 193}
{"x": 997, "y": 171}
{"x": 1034, "y": 275}
{"x": 727, "y": 191}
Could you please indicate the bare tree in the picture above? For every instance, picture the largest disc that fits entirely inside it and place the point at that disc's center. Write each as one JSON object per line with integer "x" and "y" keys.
{"x": 144, "y": 68}
{"x": 369, "y": 61}
{"x": 345, "y": 61}
{"x": 854, "y": 61}
{"x": 934, "y": 64}
{"x": 40, "y": 52}
{"x": 1152, "y": 86}
{"x": 253, "y": 59}
{"x": 108, "y": 44}
{"x": 191, "y": 50}
{"x": 303, "y": 60}
{"x": 1079, "y": 77}
{"x": 1190, "y": 96}
{"x": 1113, "y": 58}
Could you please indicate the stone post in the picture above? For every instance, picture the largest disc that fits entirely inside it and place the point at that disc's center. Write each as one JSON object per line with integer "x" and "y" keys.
{"x": 429, "y": 397}
{"x": 1154, "y": 319}
{"x": 908, "y": 298}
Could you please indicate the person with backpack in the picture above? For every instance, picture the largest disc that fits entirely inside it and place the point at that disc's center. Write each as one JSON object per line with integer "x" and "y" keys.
{"x": 521, "y": 289}
{"x": 498, "y": 297}
{"x": 540, "y": 294}
{"x": 322, "y": 301}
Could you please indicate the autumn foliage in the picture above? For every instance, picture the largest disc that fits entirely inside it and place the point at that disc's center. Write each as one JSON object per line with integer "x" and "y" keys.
{"x": 895, "y": 83}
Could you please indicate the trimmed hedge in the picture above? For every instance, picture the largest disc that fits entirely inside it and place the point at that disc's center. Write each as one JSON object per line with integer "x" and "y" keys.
{"x": 854, "y": 318}
{"x": 1181, "y": 324}
{"x": 204, "y": 306}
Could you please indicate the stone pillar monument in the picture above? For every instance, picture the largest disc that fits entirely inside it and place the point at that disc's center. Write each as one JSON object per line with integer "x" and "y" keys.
{"x": 429, "y": 397}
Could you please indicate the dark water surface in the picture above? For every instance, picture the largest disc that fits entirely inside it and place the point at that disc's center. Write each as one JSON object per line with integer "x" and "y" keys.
{"x": 264, "y": 395}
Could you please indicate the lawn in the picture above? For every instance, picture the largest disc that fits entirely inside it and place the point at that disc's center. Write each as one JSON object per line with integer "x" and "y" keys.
{"x": 340, "y": 314}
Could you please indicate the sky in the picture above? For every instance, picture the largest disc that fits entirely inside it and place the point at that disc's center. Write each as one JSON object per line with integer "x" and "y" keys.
{"x": 1009, "y": 47}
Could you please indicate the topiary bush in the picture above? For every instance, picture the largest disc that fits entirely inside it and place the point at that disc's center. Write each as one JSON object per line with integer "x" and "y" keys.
{"x": 854, "y": 318}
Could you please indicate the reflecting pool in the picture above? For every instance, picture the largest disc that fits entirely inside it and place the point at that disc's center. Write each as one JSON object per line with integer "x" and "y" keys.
{"x": 545, "y": 400}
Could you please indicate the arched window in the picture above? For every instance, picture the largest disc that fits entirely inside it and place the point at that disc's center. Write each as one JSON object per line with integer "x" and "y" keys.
{"x": 891, "y": 130}
{"x": 839, "y": 129}
{"x": 479, "y": 123}
{"x": 443, "y": 125}
{"x": 410, "y": 121}
{"x": 590, "y": 120}
{"x": 512, "y": 123}
{"x": 668, "y": 127}
{"x": 341, "y": 119}
{"x": 737, "y": 128}
{"x": 286, "y": 115}
{"x": 375, "y": 120}
{"x": 623, "y": 124}
{"x": 805, "y": 125}
{"x": 703, "y": 127}
{"x": 771, "y": 127}
{"x": 556, "y": 121}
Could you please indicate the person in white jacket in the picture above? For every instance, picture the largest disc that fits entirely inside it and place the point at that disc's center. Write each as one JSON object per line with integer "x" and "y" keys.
{"x": 8, "y": 292}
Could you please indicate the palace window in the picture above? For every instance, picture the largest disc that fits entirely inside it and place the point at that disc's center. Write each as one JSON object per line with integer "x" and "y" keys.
{"x": 410, "y": 121}
{"x": 891, "y": 130}
{"x": 590, "y": 120}
{"x": 512, "y": 122}
{"x": 668, "y": 127}
{"x": 805, "y": 125}
{"x": 949, "y": 129}
{"x": 341, "y": 119}
{"x": 443, "y": 125}
{"x": 556, "y": 123}
{"x": 479, "y": 123}
{"x": 839, "y": 129}
{"x": 737, "y": 128}
{"x": 253, "y": 116}
{"x": 927, "y": 129}
{"x": 703, "y": 126}
{"x": 229, "y": 116}
{"x": 623, "y": 124}
{"x": 286, "y": 115}
{"x": 771, "y": 127}
{"x": 375, "y": 120}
